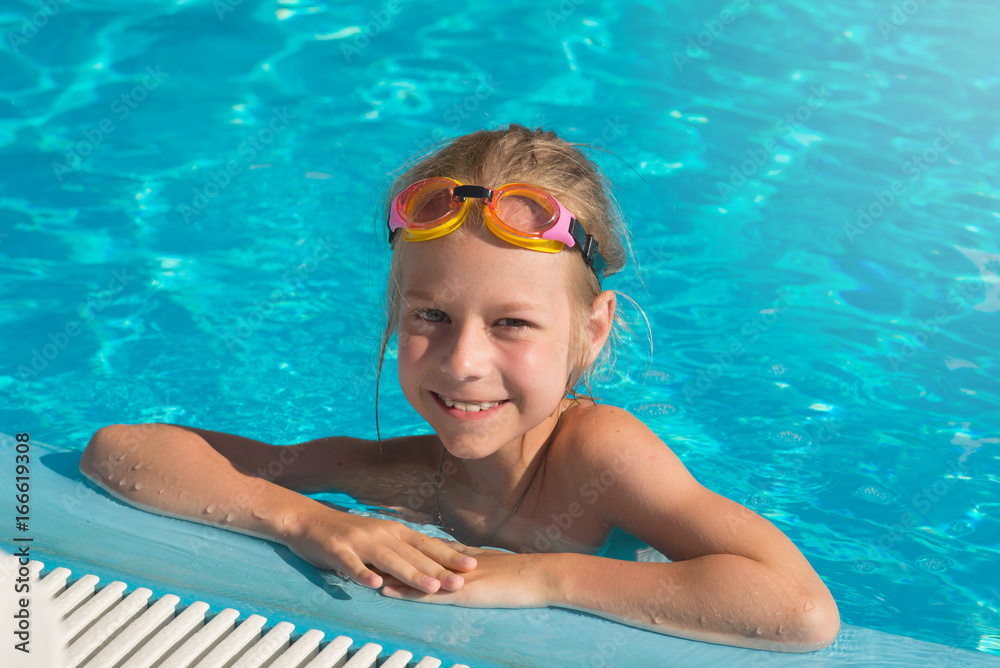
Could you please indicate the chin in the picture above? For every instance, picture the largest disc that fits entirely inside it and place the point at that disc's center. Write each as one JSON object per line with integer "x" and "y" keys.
{"x": 465, "y": 447}
{"x": 466, "y": 450}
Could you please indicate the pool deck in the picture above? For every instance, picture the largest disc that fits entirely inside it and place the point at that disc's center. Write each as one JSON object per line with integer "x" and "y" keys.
{"x": 78, "y": 527}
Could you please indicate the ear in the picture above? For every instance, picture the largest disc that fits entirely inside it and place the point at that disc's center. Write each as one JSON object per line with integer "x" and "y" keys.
{"x": 602, "y": 316}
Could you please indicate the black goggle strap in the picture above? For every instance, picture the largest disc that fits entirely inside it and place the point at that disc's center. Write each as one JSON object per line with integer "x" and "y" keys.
{"x": 588, "y": 246}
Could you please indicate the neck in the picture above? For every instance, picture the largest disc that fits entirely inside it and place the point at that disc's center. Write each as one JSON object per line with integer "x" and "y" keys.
{"x": 506, "y": 473}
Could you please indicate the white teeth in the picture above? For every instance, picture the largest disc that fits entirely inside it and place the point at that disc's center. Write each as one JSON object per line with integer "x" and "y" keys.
{"x": 468, "y": 407}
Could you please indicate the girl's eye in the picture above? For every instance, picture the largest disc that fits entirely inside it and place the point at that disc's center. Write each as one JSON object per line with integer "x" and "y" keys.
{"x": 513, "y": 323}
{"x": 430, "y": 315}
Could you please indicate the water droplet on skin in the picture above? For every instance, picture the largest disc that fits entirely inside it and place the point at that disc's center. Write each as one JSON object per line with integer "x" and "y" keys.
{"x": 210, "y": 508}
{"x": 121, "y": 483}
{"x": 259, "y": 514}
{"x": 136, "y": 466}
{"x": 120, "y": 457}
{"x": 110, "y": 477}
{"x": 230, "y": 517}
{"x": 137, "y": 486}
{"x": 162, "y": 490}
{"x": 287, "y": 519}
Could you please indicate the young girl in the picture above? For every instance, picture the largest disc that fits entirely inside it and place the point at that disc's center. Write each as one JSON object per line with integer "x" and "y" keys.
{"x": 500, "y": 241}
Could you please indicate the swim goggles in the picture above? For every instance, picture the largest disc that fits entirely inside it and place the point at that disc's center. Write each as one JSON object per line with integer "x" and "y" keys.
{"x": 521, "y": 214}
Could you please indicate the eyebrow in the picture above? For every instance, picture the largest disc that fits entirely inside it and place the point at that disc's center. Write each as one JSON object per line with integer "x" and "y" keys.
{"x": 421, "y": 295}
{"x": 533, "y": 307}
{"x": 522, "y": 306}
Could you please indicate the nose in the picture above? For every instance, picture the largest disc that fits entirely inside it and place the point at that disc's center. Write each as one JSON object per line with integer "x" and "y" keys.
{"x": 468, "y": 355}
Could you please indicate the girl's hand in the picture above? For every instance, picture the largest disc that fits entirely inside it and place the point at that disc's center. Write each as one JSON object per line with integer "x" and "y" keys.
{"x": 360, "y": 546}
{"x": 501, "y": 580}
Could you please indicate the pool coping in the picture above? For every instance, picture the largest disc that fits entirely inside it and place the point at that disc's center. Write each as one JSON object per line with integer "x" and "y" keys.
{"x": 77, "y": 526}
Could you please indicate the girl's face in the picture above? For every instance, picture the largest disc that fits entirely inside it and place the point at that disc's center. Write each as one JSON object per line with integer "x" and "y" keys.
{"x": 484, "y": 338}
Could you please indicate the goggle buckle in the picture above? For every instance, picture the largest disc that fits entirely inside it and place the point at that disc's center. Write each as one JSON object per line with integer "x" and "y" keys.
{"x": 588, "y": 245}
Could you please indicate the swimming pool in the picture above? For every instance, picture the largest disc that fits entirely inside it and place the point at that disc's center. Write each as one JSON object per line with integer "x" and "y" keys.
{"x": 187, "y": 210}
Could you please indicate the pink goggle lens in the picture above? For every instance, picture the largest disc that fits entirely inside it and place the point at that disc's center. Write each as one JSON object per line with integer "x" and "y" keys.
{"x": 428, "y": 205}
{"x": 524, "y": 214}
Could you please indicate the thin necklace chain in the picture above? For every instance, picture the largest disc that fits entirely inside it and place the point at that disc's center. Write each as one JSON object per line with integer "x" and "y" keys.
{"x": 440, "y": 482}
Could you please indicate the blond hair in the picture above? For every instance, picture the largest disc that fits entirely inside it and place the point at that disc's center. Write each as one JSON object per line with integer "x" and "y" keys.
{"x": 520, "y": 155}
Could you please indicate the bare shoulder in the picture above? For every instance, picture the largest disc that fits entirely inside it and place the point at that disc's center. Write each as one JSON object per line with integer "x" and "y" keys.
{"x": 647, "y": 491}
{"x": 601, "y": 436}
{"x": 633, "y": 478}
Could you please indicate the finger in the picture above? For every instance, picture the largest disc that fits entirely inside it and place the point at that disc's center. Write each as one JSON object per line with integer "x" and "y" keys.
{"x": 403, "y": 567}
{"x": 410, "y": 594}
{"x": 358, "y": 572}
{"x": 430, "y": 566}
{"x": 461, "y": 547}
{"x": 394, "y": 582}
{"x": 451, "y": 555}
{"x": 390, "y": 581}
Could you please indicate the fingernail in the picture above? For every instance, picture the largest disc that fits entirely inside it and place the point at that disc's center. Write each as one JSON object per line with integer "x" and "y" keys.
{"x": 430, "y": 582}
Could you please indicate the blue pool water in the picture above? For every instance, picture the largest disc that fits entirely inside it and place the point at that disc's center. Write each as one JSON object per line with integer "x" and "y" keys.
{"x": 812, "y": 192}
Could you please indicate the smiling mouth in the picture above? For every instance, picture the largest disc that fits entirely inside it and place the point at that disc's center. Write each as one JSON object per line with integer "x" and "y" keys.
{"x": 469, "y": 406}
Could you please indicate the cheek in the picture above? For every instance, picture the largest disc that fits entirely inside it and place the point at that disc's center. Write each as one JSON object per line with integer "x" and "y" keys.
{"x": 542, "y": 367}
{"x": 414, "y": 337}
{"x": 412, "y": 346}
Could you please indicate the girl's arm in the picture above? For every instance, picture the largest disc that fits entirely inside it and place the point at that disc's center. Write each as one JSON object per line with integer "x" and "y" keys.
{"x": 719, "y": 598}
{"x": 735, "y": 579}
{"x": 242, "y": 485}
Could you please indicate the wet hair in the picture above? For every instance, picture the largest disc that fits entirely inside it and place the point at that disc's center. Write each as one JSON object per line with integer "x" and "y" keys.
{"x": 518, "y": 154}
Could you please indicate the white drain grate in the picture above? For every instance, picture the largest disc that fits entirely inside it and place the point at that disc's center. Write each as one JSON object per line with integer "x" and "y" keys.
{"x": 104, "y": 628}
